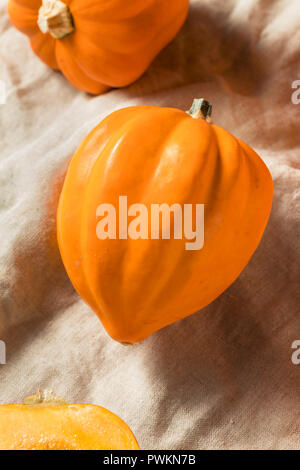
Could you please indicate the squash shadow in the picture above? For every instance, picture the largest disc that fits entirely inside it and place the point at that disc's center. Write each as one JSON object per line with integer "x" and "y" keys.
{"x": 221, "y": 49}
{"x": 217, "y": 361}
{"x": 36, "y": 284}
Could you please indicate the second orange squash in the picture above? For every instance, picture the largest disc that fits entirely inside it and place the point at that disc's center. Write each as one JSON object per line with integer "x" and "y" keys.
{"x": 156, "y": 155}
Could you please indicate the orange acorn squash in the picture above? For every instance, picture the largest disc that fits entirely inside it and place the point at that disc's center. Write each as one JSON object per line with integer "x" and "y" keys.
{"x": 46, "y": 422}
{"x": 98, "y": 44}
{"x": 159, "y": 156}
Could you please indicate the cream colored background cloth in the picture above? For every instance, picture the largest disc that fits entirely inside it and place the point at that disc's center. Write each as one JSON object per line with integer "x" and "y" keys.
{"x": 223, "y": 378}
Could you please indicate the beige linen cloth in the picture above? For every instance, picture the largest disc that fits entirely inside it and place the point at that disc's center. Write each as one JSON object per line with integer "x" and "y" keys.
{"x": 222, "y": 378}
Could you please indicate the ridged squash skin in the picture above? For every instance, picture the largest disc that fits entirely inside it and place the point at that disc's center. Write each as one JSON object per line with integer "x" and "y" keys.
{"x": 63, "y": 427}
{"x": 160, "y": 155}
{"x": 113, "y": 41}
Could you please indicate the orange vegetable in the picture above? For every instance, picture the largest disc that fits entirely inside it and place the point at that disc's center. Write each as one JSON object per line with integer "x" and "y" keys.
{"x": 46, "y": 422}
{"x": 157, "y": 155}
{"x": 98, "y": 44}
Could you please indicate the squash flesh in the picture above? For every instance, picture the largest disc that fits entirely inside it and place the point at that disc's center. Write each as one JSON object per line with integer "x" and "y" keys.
{"x": 63, "y": 427}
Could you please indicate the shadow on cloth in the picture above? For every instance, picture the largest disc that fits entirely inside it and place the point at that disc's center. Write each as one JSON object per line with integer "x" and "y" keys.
{"x": 221, "y": 48}
{"x": 218, "y": 362}
{"x": 40, "y": 285}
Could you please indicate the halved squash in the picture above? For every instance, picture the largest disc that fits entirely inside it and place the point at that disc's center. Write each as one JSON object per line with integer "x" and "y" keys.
{"x": 46, "y": 422}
